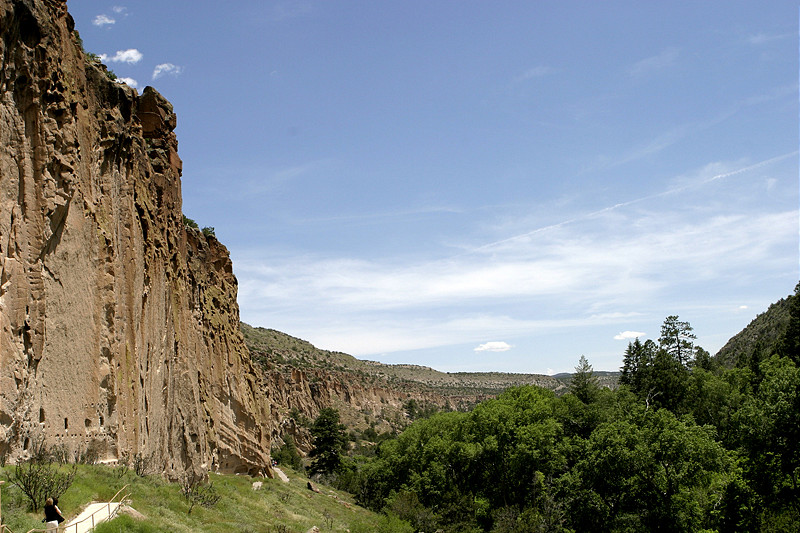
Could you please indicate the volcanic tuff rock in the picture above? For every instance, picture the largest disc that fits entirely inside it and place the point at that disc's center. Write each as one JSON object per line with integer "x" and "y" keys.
{"x": 301, "y": 379}
{"x": 118, "y": 325}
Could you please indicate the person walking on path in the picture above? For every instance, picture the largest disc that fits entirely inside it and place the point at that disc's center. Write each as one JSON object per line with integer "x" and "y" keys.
{"x": 52, "y": 515}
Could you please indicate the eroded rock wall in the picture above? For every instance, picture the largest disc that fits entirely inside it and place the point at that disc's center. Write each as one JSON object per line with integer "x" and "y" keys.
{"x": 359, "y": 400}
{"x": 118, "y": 325}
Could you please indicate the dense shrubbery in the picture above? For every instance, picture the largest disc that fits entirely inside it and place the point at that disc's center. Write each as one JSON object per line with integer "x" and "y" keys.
{"x": 288, "y": 454}
{"x": 683, "y": 445}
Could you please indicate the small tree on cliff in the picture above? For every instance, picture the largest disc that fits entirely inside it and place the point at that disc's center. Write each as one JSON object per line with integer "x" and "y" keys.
{"x": 329, "y": 440}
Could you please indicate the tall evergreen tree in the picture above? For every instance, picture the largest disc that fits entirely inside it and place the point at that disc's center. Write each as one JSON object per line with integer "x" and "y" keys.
{"x": 677, "y": 339}
{"x": 637, "y": 365}
{"x": 631, "y": 362}
{"x": 584, "y": 384}
{"x": 329, "y": 440}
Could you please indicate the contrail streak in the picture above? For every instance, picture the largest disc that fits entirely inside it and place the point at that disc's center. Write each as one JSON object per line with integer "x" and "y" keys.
{"x": 636, "y": 201}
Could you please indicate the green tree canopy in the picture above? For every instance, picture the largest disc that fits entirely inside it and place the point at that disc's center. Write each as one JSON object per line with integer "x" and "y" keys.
{"x": 649, "y": 471}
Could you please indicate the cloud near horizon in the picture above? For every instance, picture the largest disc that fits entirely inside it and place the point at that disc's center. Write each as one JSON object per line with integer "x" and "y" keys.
{"x": 166, "y": 68}
{"x": 762, "y": 38}
{"x": 535, "y": 72}
{"x": 625, "y": 335}
{"x": 130, "y": 56}
{"x": 654, "y": 63}
{"x": 605, "y": 267}
{"x": 493, "y": 346}
{"x": 103, "y": 20}
{"x": 129, "y": 82}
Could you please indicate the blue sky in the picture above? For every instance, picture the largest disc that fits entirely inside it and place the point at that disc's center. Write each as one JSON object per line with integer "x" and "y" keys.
{"x": 482, "y": 185}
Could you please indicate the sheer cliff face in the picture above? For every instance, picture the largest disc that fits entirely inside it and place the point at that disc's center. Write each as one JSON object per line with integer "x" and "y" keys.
{"x": 118, "y": 326}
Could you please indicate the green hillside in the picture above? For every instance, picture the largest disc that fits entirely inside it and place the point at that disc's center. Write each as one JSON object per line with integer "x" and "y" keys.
{"x": 159, "y": 506}
{"x": 761, "y": 335}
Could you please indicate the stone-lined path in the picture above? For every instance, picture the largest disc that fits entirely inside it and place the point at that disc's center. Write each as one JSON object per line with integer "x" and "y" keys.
{"x": 94, "y": 514}
{"x": 281, "y": 474}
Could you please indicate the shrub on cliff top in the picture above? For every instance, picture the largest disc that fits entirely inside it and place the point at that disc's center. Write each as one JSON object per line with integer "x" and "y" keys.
{"x": 189, "y": 223}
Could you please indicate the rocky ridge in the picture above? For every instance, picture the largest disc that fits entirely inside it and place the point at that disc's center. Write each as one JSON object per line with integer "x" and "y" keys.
{"x": 301, "y": 379}
{"x": 119, "y": 328}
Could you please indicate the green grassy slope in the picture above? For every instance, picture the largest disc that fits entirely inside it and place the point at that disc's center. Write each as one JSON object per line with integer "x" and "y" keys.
{"x": 277, "y": 507}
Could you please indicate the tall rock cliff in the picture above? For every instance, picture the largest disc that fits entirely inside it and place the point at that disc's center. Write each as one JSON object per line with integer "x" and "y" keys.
{"x": 118, "y": 325}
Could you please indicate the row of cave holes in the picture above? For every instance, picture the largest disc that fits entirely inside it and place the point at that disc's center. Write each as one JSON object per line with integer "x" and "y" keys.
{"x": 87, "y": 422}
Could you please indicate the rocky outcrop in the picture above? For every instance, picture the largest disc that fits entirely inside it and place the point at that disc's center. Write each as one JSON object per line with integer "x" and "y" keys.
{"x": 359, "y": 400}
{"x": 300, "y": 380}
{"x": 118, "y": 325}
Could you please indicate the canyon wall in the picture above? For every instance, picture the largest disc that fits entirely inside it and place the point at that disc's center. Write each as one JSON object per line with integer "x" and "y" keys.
{"x": 119, "y": 328}
{"x": 360, "y": 400}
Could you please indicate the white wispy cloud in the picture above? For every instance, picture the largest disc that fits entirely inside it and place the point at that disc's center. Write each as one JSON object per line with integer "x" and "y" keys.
{"x": 608, "y": 262}
{"x": 680, "y": 132}
{"x": 290, "y": 10}
{"x": 120, "y": 10}
{"x": 609, "y": 265}
{"x": 532, "y": 73}
{"x": 400, "y": 213}
{"x": 168, "y": 69}
{"x": 625, "y": 335}
{"x": 707, "y": 174}
{"x": 648, "y": 148}
{"x": 654, "y": 63}
{"x": 561, "y": 262}
{"x": 130, "y": 56}
{"x": 763, "y": 38}
{"x": 129, "y": 81}
{"x": 102, "y": 20}
{"x": 267, "y": 182}
{"x": 493, "y": 346}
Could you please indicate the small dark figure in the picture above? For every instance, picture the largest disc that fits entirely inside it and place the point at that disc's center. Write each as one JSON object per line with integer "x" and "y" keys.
{"x": 52, "y": 515}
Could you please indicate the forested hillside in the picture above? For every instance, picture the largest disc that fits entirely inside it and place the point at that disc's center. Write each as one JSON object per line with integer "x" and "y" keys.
{"x": 686, "y": 443}
{"x": 761, "y": 335}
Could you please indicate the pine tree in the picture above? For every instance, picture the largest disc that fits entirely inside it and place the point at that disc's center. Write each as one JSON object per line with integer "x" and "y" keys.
{"x": 638, "y": 365}
{"x": 329, "y": 440}
{"x": 584, "y": 384}
{"x": 677, "y": 340}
